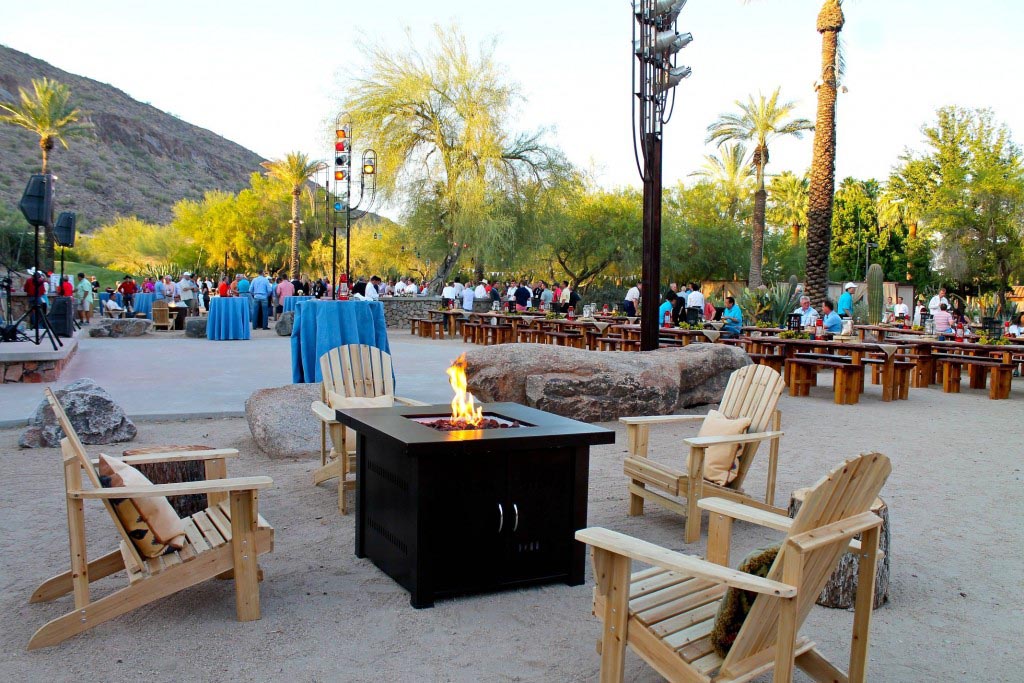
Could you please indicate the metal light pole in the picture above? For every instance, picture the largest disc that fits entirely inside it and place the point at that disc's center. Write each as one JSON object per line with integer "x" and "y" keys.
{"x": 343, "y": 180}
{"x": 655, "y": 75}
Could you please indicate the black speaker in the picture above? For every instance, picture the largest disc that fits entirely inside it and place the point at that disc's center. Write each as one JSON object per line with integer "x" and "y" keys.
{"x": 37, "y": 201}
{"x": 62, "y": 315}
{"x": 64, "y": 229}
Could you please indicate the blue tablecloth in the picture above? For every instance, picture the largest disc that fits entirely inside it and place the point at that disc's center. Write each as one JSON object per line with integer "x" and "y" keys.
{"x": 144, "y": 303}
{"x": 291, "y": 302}
{"x": 228, "y": 318}
{"x": 321, "y": 325}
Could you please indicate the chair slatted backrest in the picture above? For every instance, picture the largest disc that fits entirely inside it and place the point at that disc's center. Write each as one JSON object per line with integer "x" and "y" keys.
{"x": 848, "y": 490}
{"x": 72, "y": 446}
{"x": 753, "y": 391}
{"x": 357, "y": 370}
{"x": 161, "y": 313}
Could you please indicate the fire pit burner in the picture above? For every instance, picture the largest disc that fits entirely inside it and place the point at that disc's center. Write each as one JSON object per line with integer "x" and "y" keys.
{"x": 443, "y": 423}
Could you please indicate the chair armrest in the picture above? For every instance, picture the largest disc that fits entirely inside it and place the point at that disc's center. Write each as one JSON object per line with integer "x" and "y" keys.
{"x": 746, "y": 513}
{"x": 323, "y": 412}
{"x": 177, "y": 456}
{"x": 660, "y": 419}
{"x": 836, "y": 531}
{"x": 182, "y": 489}
{"x": 655, "y": 555}
{"x": 409, "y": 401}
{"x": 706, "y": 441}
{"x": 757, "y": 516}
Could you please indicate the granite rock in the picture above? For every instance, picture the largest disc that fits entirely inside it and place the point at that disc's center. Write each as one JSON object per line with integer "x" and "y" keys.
{"x": 598, "y": 386}
{"x": 120, "y": 327}
{"x": 93, "y": 413}
{"x": 195, "y": 327}
{"x": 284, "y": 324}
{"x": 281, "y": 422}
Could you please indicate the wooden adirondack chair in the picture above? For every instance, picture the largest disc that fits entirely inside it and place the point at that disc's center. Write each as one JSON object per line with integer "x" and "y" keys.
{"x": 352, "y": 370}
{"x": 666, "y": 613}
{"x": 224, "y": 540}
{"x": 753, "y": 391}
{"x": 161, "y": 316}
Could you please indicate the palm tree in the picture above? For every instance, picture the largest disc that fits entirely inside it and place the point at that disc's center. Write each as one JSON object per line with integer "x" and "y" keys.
{"x": 789, "y": 202}
{"x": 294, "y": 171}
{"x": 823, "y": 161}
{"x": 48, "y": 113}
{"x": 731, "y": 173}
{"x": 759, "y": 121}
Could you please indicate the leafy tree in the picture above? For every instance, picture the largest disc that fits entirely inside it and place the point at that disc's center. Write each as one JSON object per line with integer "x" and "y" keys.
{"x": 702, "y": 239}
{"x": 732, "y": 176}
{"x": 294, "y": 171}
{"x": 759, "y": 122}
{"x": 48, "y": 113}
{"x": 969, "y": 188}
{"x": 439, "y": 122}
{"x": 787, "y": 193}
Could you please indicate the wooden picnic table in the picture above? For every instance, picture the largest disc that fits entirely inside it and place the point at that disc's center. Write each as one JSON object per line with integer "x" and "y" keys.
{"x": 882, "y": 332}
{"x": 929, "y": 350}
{"x": 857, "y": 351}
{"x": 450, "y": 316}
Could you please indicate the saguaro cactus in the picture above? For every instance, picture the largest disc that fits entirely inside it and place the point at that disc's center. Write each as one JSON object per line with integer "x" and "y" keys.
{"x": 876, "y": 280}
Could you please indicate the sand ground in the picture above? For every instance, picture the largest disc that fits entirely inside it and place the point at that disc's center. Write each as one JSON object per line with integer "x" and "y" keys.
{"x": 954, "y": 612}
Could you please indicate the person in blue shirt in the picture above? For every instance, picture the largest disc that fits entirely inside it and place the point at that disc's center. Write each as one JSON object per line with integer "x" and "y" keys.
{"x": 666, "y": 307}
{"x": 832, "y": 323}
{"x": 846, "y": 300}
{"x": 261, "y": 289}
{"x": 733, "y": 317}
{"x": 243, "y": 284}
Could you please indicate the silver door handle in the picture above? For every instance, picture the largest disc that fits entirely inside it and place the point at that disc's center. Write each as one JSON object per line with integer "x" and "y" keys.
{"x": 501, "y": 518}
{"x": 515, "y": 509}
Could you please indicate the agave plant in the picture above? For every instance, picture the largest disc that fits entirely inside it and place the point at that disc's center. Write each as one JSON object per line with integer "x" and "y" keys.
{"x": 770, "y": 304}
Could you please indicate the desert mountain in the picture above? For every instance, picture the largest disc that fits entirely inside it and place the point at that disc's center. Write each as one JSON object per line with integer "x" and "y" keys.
{"x": 140, "y": 160}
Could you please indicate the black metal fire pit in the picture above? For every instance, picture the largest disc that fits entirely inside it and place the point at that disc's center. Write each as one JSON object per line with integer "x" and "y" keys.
{"x": 445, "y": 513}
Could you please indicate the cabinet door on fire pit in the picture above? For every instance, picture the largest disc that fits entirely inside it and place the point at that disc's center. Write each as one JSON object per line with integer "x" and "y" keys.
{"x": 469, "y": 532}
{"x": 540, "y": 498}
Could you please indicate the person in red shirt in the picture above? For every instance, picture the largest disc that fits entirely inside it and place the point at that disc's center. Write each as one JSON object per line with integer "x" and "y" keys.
{"x": 222, "y": 288}
{"x": 128, "y": 288}
{"x": 66, "y": 288}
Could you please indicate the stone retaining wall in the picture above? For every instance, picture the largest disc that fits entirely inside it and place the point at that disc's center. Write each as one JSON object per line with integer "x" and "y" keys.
{"x": 398, "y": 309}
{"x": 34, "y": 371}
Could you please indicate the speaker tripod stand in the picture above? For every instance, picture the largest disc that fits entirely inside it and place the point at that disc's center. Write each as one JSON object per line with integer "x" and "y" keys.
{"x": 36, "y": 315}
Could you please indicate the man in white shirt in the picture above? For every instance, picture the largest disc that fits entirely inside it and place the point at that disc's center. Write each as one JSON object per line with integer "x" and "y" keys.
{"x": 448, "y": 293}
{"x": 807, "y": 313}
{"x": 458, "y": 288}
{"x": 935, "y": 305}
{"x": 372, "y": 291}
{"x": 481, "y": 290}
{"x": 186, "y": 288}
{"x": 632, "y": 301}
{"x": 900, "y": 309}
{"x": 694, "y": 303}
{"x": 467, "y": 295}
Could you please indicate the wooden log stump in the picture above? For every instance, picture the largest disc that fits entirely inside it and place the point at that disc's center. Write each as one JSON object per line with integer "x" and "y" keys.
{"x": 173, "y": 473}
{"x": 841, "y": 589}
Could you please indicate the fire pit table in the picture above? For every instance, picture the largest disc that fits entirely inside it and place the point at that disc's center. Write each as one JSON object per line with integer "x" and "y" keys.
{"x": 453, "y": 512}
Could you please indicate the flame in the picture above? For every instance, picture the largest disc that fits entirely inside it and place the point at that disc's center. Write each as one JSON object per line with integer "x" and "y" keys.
{"x": 462, "y": 405}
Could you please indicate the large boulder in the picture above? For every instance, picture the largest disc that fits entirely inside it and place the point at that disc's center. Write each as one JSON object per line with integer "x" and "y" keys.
{"x": 284, "y": 323}
{"x": 281, "y": 422}
{"x": 195, "y": 327}
{"x": 93, "y": 413}
{"x": 120, "y": 327}
{"x": 598, "y": 386}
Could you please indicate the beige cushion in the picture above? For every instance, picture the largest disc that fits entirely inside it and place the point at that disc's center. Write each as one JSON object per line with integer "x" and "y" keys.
{"x": 151, "y": 523}
{"x": 339, "y": 402}
{"x": 720, "y": 461}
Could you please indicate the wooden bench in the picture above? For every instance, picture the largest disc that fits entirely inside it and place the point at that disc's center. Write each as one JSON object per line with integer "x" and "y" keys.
{"x": 470, "y": 330}
{"x": 414, "y": 325}
{"x": 773, "y": 360}
{"x": 615, "y": 343}
{"x": 1001, "y": 374}
{"x": 803, "y": 371}
{"x": 902, "y": 371}
{"x": 573, "y": 339}
{"x": 488, "y": 334}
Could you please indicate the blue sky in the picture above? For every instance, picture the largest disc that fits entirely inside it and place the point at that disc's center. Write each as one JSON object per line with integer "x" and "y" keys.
{"x": 268, "y": 75}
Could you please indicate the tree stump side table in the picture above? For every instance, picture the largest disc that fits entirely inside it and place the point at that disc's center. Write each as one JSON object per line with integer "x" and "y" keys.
{"x": 841, "y": 589}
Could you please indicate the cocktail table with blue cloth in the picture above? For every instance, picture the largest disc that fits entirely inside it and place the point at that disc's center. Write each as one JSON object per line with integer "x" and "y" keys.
{"x": 321, "y": 325}
{"x": 228, "y": 318}
{"x": 291, "y": 302}
{"x": 144, "y": 303}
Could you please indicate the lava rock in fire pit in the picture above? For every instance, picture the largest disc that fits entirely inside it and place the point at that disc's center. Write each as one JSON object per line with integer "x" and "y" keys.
{"x": 446, "y": 424}
{"x": 599, "y": 386}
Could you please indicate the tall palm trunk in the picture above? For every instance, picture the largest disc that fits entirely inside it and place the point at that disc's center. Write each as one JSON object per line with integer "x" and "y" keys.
{"x": 296, "y": 193}
{"x": 823, "y": 162}
{"x": 754, "y": 280}
{"x": 45, "y": 145}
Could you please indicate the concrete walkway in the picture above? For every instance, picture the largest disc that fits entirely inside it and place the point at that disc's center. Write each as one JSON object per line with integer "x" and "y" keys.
{"x": 169, "y": 377}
